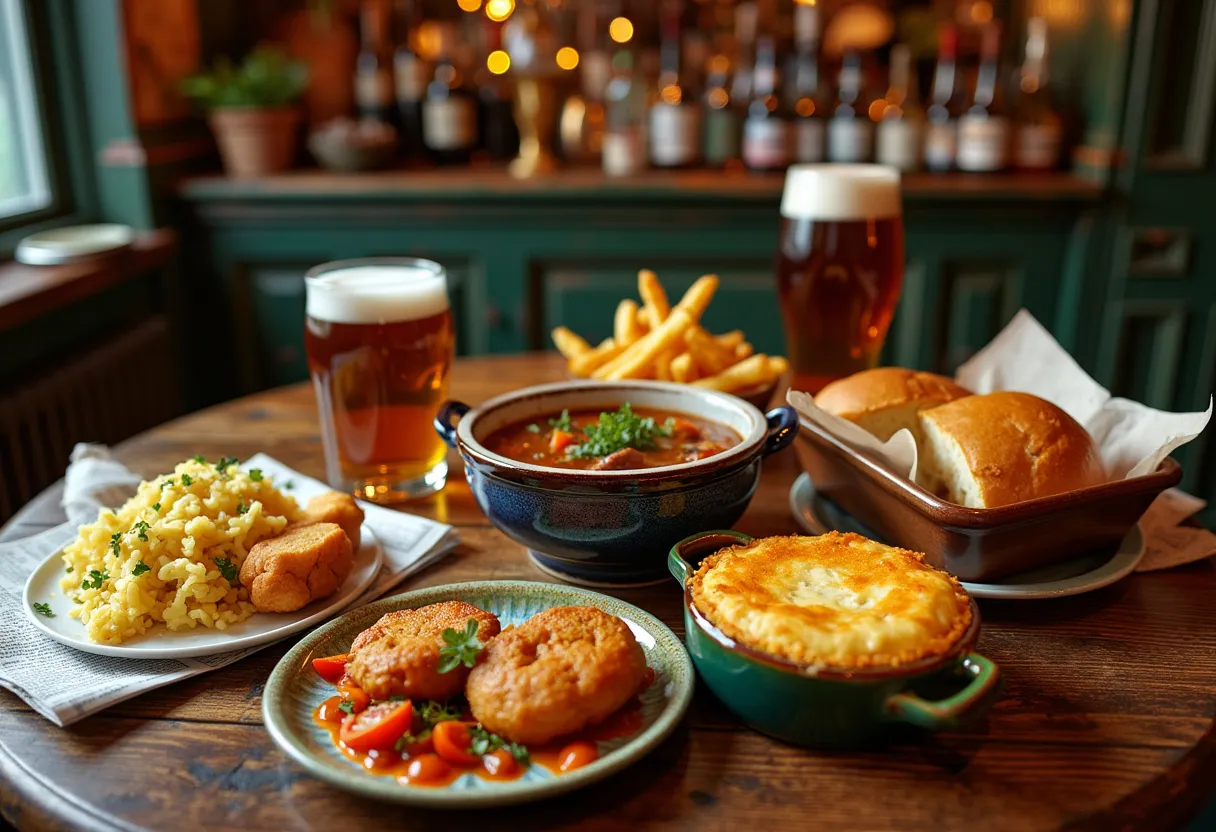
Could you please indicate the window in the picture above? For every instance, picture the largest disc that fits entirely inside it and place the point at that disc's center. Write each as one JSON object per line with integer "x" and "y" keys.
{"x": 25, "y": 182}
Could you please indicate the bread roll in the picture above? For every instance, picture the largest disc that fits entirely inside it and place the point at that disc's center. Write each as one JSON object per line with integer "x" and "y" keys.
{"x": 885, "y": 399}
{"x": 1003, "y": 448}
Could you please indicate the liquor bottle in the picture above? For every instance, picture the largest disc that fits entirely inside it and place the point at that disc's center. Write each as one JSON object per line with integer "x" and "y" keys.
{"x": 941, "y": 127}
{"x": 449, "y": 111}
{"x": 624, "y": 151}
{"x": 498, "y": 137}
{"x": 746, "y": 15}
{"x": 850, "y": 130}
{"x": 721, "y": 118}
{"x": 804, "y": 88}
{"x": 983, "y": 130}
{"x": 898, "y": 135}
{"x": 1037, "y": 136}
{"x": 765, "y": 133}
{"x": 410, "y": 73}
{"x": 373, "y": 69}
{"x": 675, "y": 117}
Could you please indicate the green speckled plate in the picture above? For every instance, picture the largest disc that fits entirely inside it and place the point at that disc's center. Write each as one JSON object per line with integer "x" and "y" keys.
{"x": 294, "y": 691}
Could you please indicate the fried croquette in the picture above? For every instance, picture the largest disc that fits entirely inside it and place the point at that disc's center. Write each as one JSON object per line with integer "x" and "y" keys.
{"x": 399, "y": 654}
{"x": 560, "y": 671}
{"x": 336, "y": 507}
{"x": 303, "y": 564}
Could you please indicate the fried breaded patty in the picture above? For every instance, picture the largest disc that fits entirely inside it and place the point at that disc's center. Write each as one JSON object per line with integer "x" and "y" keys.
{"x": 336, "y": 507}
{"x": 399, "y": 654}
{"x": 560, "y": 671}
{"x": 303, "y": 564}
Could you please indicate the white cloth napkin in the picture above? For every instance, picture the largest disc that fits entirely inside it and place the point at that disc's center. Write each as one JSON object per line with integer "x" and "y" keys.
{"x": 66, "y": 685}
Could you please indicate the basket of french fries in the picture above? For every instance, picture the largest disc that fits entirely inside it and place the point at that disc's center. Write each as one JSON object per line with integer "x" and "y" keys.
{"x": 655, "y": 340}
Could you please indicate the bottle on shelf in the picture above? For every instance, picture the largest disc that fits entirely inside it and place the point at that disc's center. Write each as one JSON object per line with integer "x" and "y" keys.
{"x": 983, "y": 130}
{"x": 624, "y": 149}
{"x": 1037, "y": 136}
{"x": 946, "y": 102}
{"x": 410, "y": 74}
{"x": 897, "y": 140}
{"x": 765, "y": 132}
{"x": 721, "y": 118}
{"x": 746, "y": 15}
{"x": 498, "y": 137}
{"x": 675, "y": 114}
{"x": 850, "y": 130}
{"x": 449, "y": 110}
{"x": 804, "y": 89}
{"x": 373, "y": 68}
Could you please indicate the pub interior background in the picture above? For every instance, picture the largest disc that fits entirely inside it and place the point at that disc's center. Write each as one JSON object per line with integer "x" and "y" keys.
{"x": 542, "y": 213}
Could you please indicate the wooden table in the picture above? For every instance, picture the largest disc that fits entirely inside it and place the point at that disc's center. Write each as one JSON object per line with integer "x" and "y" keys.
{"x": 1106, "y": 720}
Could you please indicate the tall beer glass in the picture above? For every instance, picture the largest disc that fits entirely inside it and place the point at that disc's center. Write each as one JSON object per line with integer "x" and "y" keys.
{"x": 840, "y": 266}
{"x": 379, "y": 339}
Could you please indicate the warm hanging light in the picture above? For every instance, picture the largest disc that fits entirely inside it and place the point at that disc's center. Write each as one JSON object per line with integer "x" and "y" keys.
{"x": 499, "y": 10}
{"x": 567, "y": 57}
{"x": 620, "y": 29}
{"x": 498, "y": 62}
{"x": 469, "y": 5}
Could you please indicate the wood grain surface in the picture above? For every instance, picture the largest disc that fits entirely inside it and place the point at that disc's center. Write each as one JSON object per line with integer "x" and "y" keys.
{"x": 1105, "y": 720}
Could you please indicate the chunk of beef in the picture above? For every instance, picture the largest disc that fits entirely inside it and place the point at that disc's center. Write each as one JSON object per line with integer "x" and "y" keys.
{"x": 621, "y": 460}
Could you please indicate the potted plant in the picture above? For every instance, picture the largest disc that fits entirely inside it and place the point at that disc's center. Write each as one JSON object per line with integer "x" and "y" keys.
{"x": 251, "y": 110}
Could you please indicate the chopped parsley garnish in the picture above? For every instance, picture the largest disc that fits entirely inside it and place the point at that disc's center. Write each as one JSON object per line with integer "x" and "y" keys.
{"x": 225, "y": 462}
{"x": 241, "y": 508}
{"x": 115, "y": 542}
{"x": 290, "y": 484}
{"x": 187, "y": 480}
{"x": 200, "y": 458}
{"x": 227, "y": 568}
{"x": 140, "y": 568}
{"x": 95, "y": 579}
{"x": 156, "y": 506}
{"x": 461, "y": 647}
{"x": 347, "y": 707}
{"x": 406, "y": 740}
{"x": 255, "y": 474}
{"x": 168, "y": 482}
{"x": 533, "y": 428}
{"x": 71, "y": 568}
{"x": 484, "y": 742}
{"x": 44, "y": 610}
{"x": 562, "y": 422}
{"x": 141, "y": 529}
{"x": 432, "y": 712}
{"x": 619, "y": 430}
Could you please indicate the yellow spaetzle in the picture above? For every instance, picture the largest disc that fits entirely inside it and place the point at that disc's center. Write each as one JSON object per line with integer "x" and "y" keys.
{"x": 154, "y": 560}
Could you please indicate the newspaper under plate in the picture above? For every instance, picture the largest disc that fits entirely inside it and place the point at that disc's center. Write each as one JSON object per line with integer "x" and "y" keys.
{"x": 65, "y": 685}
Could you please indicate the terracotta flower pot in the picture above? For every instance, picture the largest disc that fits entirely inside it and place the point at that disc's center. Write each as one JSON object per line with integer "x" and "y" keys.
{"x": 255, "y": 141}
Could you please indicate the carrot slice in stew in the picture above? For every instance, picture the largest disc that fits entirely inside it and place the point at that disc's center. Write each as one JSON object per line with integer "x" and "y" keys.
{"x": 560, "y": 440}
{"x": 379, "y": 726}
{"x": 330, "y": 668}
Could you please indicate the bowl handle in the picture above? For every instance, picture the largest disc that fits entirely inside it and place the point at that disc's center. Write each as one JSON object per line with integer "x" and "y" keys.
{"x": 443, "y": 420}
{"x": 944, "y": 713}
{"x": 782, "y": 428}
{"x": 689, "y": 551}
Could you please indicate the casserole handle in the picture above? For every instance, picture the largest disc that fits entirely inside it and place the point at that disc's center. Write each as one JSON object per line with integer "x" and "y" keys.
{"x": 944, "y": 713}
{"x": 782, "y": 428}
{"x": 443, "y": 420}
{"x": 686, "y": 554}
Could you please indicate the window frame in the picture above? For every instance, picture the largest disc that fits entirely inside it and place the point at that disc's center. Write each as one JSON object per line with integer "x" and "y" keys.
{"x": 56, "y": 73}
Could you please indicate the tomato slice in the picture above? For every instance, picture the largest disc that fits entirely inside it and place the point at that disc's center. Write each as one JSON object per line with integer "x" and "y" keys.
{"x": 577, "y": 754}
{"x": 331, "y": 668}
{"x": 452, "y": 741}
{"x": 499, "y": 763}
{"x": 379, "y": 726}
{"x": 427, "y": 768}
{"x": 353, "y": 694}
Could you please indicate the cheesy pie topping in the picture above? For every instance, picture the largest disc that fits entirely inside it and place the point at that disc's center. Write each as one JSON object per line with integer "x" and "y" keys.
{"x": 836, "y": 600}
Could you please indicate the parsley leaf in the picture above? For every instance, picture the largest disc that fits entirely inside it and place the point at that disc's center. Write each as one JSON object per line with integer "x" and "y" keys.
{"x": 615, "y": 431}
{"x": 95, "y": 579}
{"x": 168, "y": 482}
{"x": 347, "y": 707}
{"x": 410, "y": 738}
{"x": 484, "y": 742}
{"x": 225, "y": 462}
{"x": 115, "y": 542}
{"x": 533, "y": 428}
{"x": 227, "y": 568}
{"x": 187, "y": 480}
{"x": 562, "y": 422}
{"x": 156, "y": 506}
{"x": 44, "y": 610}
{"x": 200, "y": 458}
{"x": 255, "y": 474}
{"x": 241, "y": 508}
{"x": 140, "y": 568}
{"x": 461, "y": 647}
{"x": 290, "y": 484}
{"x": 141, "y": 529}
{"x": 71, "y": 568}
{"x": 432, "y": 712}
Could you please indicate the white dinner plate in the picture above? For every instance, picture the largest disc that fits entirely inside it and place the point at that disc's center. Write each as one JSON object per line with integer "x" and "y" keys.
{"x": 162, "y": 643}
{"x": 1085, "y": 573}
{"x": 63, "y": 245}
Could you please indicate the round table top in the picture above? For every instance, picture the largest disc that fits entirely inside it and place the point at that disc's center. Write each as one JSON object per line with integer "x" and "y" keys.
{"x": 1105, "y": 719}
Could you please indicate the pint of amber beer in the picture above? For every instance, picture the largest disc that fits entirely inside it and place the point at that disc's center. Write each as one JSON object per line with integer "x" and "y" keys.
{"x": 379, "y": 339}
{"x": 840, "y": 266}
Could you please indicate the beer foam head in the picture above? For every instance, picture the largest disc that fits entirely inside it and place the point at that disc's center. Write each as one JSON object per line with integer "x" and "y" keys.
{"x": 841, "y": 192}
{"x": 377, "y": 293}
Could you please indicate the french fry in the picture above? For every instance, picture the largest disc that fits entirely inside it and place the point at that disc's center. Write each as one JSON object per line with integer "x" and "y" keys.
{"x": 750, "y": 372}
{"x": 569, "y": 344}
{"x": 682, "y": 368}
{"x": 662, "y": 365}
{"x": 625, "y": 329}
{"x": 731, "y": 339}
{"x": 698, "y": 296}
{"x": 777, "y": 366}
{"x": 743, "y": 351}
{"x": 709, "y": 357}
{"x": 584, "y": 365}
{"x": 654, "y": 298}
{"x": 640, "y": 355}
{"x": 643, "y": 319}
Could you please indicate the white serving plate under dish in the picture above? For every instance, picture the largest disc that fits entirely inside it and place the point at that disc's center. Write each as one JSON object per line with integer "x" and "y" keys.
{"x": 1085, "y": 573}
{"x": 162, "y": 643}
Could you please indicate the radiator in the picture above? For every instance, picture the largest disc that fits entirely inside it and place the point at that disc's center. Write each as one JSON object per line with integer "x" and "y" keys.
{"x": 107, "y": 392}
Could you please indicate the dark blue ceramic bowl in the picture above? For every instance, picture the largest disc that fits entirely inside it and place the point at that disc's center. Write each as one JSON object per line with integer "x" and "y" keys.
{"x": 612, "y": 528}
